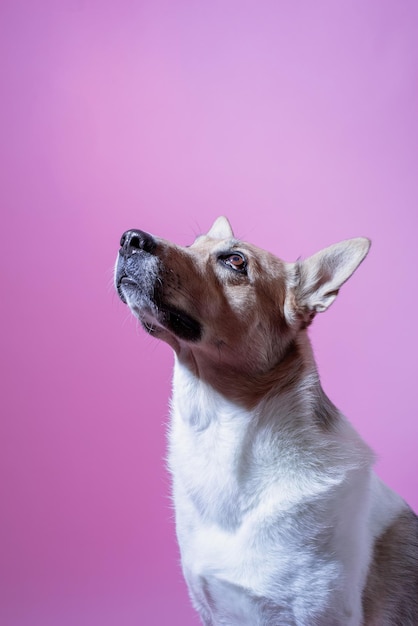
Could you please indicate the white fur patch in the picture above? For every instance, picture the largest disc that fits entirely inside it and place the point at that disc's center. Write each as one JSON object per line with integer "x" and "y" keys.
{"x": 277, "y": 513}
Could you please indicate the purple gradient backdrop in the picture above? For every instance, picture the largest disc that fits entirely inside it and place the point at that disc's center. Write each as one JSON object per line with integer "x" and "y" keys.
{"x": 299, "y": 121}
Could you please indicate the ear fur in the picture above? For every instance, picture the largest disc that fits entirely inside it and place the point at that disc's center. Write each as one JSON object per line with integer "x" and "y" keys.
{"x": 221, "y": 229}
{"x": 319, "y": 278}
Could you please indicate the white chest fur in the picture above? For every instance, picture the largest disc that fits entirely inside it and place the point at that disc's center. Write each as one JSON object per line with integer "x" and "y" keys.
{"x": 273, "y": 524}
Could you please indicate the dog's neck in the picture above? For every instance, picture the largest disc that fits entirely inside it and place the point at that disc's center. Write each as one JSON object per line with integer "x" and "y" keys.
{"x": 246, "y": 383}
{"x": 206, "y": 391}
{"x": 305, "y": 441}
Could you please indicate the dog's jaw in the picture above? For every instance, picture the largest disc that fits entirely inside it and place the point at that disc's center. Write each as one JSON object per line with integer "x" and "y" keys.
{"x": 138, "y": 281}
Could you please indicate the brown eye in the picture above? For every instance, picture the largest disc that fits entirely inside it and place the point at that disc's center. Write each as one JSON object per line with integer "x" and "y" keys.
{"x": 235, "y": 261}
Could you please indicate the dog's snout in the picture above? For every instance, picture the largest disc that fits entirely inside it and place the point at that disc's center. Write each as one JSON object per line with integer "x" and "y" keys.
{"x": 134, "y": 240}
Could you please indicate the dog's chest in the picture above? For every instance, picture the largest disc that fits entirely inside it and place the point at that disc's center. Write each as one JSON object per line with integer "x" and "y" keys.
{"x": 207, "y": 471}
{"x": 236, "y": 533}
{"x": 237, "y": 521}
{"x": 259, "y": 517}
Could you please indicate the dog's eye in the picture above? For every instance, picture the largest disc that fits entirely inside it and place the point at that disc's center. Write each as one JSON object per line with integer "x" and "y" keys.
{"x": 235, "y": 261}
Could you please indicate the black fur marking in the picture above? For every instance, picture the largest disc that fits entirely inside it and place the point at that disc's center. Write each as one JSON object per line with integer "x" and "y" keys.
{"x": 182, "y": 325}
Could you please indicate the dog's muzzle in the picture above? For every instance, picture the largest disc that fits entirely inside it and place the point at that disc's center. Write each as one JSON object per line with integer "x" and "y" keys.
{"x": 139, "y": 283}
{"x": 135, "y": 262}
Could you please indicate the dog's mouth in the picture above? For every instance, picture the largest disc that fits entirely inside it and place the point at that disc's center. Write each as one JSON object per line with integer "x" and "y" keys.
{"x": 154, "y": 314}
{"x": 126, "y": 281}
{"x": 177, "y": 322}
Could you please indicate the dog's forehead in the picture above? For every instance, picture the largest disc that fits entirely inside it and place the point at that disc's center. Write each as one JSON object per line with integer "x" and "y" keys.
{"x": 206, "y": 247}
{"x": 209, "y": 245}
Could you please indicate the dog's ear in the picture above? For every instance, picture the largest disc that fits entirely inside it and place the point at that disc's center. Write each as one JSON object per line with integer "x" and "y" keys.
{"x": 221, "y": 229}
{"x": 318, "y": 279}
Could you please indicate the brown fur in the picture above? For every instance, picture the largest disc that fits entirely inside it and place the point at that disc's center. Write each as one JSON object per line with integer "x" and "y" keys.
{"x": 240, "y": 311}
{"x": 391, "y": 594}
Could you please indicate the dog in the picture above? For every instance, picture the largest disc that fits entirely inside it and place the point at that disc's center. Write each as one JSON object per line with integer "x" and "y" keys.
{"x": 280, "y": 518}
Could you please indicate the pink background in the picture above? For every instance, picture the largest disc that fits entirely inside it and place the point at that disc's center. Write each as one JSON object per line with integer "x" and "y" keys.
{"x": 298, "y": 120}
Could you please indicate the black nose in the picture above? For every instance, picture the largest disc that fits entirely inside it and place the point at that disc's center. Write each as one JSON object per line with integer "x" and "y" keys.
{"x": 134, "y": 240}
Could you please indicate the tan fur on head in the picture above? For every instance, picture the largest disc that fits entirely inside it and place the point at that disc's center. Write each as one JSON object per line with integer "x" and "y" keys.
{"x": 244, "y": 325}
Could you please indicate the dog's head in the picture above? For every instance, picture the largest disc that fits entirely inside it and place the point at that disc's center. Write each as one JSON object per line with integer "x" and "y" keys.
{"x": 225, "y": 301}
